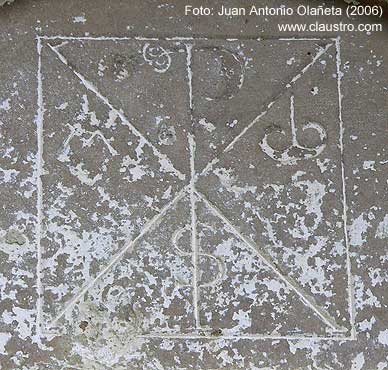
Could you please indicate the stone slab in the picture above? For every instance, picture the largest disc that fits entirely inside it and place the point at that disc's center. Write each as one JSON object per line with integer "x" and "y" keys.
{"x": 184, "y": 192}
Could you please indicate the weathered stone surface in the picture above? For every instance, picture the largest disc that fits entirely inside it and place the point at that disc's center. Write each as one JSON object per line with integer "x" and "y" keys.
{"x": 185, "y": 192}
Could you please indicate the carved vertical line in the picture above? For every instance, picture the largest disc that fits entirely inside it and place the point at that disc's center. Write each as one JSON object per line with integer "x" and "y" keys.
{"x": 350, "y": 289}
{"x": 39, "y": 188}
{"x": 194, "y": 240}
{"x": 292, "y": 121}
{"x": 191, "y": 142}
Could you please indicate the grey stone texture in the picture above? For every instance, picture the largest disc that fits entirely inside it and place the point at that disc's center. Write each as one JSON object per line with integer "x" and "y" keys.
{"x": 182, "y": 192}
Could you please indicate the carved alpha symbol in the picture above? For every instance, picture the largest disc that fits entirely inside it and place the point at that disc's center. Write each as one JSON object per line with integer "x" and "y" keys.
{"x": 87, "y": 136}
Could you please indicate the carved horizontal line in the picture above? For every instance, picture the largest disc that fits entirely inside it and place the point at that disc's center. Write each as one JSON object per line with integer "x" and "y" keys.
{"x": 245, "y": 337}
{"x": 180, "y": 38}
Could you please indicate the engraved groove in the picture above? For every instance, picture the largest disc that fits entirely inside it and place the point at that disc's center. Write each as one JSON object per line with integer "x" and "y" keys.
{"x": 194, "y": 194}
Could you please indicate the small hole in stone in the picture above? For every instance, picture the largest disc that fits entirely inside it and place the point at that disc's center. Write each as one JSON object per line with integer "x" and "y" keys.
{"x": 83, "y": 325}
{"x": 216, "y": 332}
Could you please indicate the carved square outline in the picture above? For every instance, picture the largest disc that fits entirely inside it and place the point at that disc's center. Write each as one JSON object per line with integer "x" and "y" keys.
{"x": 189, "y": 189}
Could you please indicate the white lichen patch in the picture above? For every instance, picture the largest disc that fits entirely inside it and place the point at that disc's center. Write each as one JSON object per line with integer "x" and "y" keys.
{"x": 382, "y": 228}
{"x": 357, "y": 231}
{"x": 208, "y": 126}
{"x": 102, "y": 340}
{"x": 4, "y": 338}
{"x": 228, "y": 180}
{"x": 383, "y": 337}
{"x": 369, "y": 165}
{"x": 5, "y": 105}
{"x": 79, "y": 19}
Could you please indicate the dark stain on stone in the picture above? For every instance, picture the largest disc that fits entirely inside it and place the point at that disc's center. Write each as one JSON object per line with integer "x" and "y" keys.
{"x": 216, "y": 333}
{"x": 83, "y": 325}
{"x": 122, "y": 67}
{"x": 166, "y": 133}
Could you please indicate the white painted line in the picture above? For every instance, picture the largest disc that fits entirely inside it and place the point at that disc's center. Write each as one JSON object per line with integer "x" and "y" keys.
{"x": 189, "y": 77}
{"x": 304, "y": 39}
{"x": 194, "y": 241}
{"x": 292, "y": 121}
{"x": 118, "y": 38}
{"x": 351, "y": 301}
{"x": 39, "y": 205}
{"x": 242, "y": 337}
{"x": 177, "y": 38}
{"x": 192, "y": 148}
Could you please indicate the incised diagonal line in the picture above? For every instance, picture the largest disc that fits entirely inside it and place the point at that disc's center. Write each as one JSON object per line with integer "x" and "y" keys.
{"x": 119, "y": 255}
{"x": 267, "y": 107}
{"x": 305, "y": 297}
{"x": 89, "y": 85}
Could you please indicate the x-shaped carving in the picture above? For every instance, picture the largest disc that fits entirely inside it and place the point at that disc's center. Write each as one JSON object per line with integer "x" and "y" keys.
{"x": 195, "y": 195}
